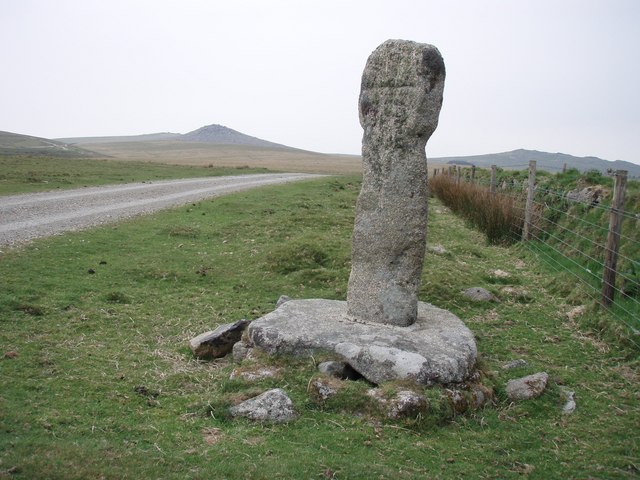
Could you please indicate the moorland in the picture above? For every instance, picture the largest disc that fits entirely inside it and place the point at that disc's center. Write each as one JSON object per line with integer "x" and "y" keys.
{"x": 99, "y": 382}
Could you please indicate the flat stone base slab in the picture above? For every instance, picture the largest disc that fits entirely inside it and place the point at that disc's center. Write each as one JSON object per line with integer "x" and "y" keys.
{"x": 437, "y": 348}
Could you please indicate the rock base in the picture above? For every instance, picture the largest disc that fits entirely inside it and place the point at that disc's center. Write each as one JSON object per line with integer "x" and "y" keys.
{"x": 437, "y": 348}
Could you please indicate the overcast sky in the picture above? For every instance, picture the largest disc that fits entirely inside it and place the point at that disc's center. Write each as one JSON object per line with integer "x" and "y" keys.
{"x": 551, "y": 75}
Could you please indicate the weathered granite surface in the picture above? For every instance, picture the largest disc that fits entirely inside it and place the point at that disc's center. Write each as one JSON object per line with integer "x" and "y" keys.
{"x": 382, "y": 331}
{"x": 528, "y": 387}
{"x": 437, "y": 348}
{"x": 405, "y": 403}
{"x": 479, "y": 294}
{"x": 271, "y": 406}
{"x": 219, "y": 342}
{"x": 400, "y": 100}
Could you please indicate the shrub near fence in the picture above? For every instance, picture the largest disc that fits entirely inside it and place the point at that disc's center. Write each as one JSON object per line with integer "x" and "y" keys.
{"x": 499, "y": 217}
{"x": 570, "y": 235}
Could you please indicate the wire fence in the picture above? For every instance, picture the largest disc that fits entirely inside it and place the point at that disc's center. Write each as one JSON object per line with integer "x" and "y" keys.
{"x": 572, "y": 234}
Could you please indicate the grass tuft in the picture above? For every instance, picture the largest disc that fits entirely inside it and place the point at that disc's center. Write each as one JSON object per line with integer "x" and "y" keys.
{"x": 303, "y": 254}
{"x": 34, "y": 310}
{"x": 118, "y": 297}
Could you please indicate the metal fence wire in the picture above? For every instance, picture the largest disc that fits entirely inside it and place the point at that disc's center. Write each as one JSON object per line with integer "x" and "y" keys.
{"x": 570, "y": 236}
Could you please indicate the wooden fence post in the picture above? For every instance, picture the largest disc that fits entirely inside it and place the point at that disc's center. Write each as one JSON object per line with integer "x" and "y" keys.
{"x": 613, "y": 239}
{"x": 473, "y": 173}
{"x": 526, "y": 231}
{"x": 458, "y": 170}
{"x": 492, "y": 188}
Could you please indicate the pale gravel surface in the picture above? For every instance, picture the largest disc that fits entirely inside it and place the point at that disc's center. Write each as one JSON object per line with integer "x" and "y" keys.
{"x": 28, "y": 216}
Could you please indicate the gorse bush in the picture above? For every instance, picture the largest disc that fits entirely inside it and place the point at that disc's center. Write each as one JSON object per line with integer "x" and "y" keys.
{"x": 499, "y": 217}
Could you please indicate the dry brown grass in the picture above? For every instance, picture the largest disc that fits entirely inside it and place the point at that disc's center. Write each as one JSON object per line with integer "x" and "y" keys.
{"x": 236, "y": 156}
{"x": 498, "y": 216}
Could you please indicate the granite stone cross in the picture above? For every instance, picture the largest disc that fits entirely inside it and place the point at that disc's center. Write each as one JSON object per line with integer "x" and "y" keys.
{"x": 382, "y": 331}
{"x": 400, "y": 100}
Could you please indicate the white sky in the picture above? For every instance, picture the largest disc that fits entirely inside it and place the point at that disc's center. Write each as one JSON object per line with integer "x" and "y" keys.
{"x": 551, "y": 75}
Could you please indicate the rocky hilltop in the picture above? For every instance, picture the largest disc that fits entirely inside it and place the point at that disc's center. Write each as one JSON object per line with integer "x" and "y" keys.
{"x": 219, "y": 134}
{"x": 213, "y": 134}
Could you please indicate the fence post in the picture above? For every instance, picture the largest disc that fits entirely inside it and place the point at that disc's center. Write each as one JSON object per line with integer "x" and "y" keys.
{"x": 458, "y": 169}
{"x": 493, "y": 179}
{"x": 526, "y": 231}
{"x": 613, "y": 238}
{"x": 564, "y": 168}
{"x": 473, "y": 174}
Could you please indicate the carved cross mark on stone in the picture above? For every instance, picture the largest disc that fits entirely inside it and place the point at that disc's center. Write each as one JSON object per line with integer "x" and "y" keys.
{"x": 400, "y": 100}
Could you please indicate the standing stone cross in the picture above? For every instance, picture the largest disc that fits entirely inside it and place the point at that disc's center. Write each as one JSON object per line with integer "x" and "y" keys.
{"x": 400, "y": 100}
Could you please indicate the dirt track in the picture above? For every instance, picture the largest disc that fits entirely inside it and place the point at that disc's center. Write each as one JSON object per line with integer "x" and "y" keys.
{"x": 29, "y": 216}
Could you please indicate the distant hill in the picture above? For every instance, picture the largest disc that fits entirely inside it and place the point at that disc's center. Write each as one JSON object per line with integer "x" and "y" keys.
{"x": 217, "y": 144}
{"x": 18, "y": 144}
{"x": 221, "y": 135}
{"x": 213, "y": 134}
{"x": 211, "y": 145}
{"x": 551, "y": 162}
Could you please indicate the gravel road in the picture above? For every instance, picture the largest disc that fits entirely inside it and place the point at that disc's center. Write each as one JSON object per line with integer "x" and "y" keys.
{"x": 28, "y": 216}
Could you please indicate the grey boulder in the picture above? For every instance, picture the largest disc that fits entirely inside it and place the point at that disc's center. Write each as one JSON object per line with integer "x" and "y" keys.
{"x": 528, "y": 387}
{"x": 437, "y": 348}
{"x": 324, "y": 388}
{"x": 592, "y": 194}
{"x": 219, "y": 342}
{"x": 271, "y": 406}
{"x": 405, "y": 403}
{"x": 254, "y": 374}
{"x": 241, "y": 351}
{"x": 479, "y": 294}
{"x": 569, "y": 401}
{"x": 518, "y": 363}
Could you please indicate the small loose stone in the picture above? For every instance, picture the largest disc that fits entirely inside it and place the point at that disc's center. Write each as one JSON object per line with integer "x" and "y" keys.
{"x": 282, "y": 300}
{"x": 479, "y": 294}
{"x": 324, "y": 388}
{"x": 520, "y": 362}
{"x": 253, "y": 374}
{"x": 271, "y": 406}
{"x": 219, "y": 342}
{"x": 569, "y": 401}
{"x": 528, "y": 387}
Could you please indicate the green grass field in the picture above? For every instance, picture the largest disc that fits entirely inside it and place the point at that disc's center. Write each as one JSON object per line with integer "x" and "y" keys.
{"x": 79, "y": 348}
{"x": 20, "y": 174}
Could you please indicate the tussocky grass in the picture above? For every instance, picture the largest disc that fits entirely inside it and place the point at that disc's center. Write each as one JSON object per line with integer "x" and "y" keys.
{"x": 101, "y": 383}
{"x": 37, "y": 174}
